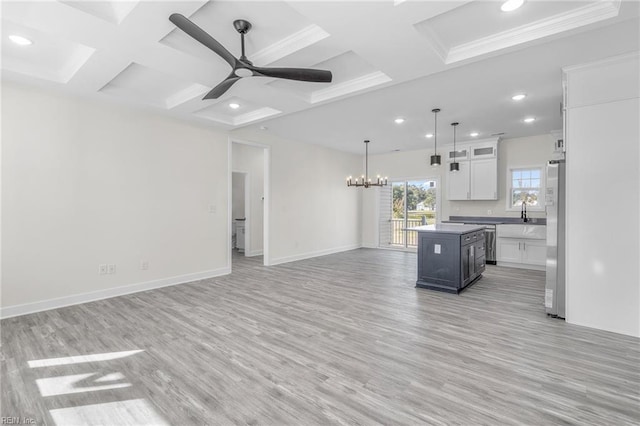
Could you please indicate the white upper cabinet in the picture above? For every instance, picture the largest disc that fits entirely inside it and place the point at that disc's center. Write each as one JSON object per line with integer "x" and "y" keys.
{"x": 461, "y": 153}
{"x": 478, "y": 175}
{"x": 489, "y": 150}
{"x": 458, "y": 183}
{"x": 484, "y": 179}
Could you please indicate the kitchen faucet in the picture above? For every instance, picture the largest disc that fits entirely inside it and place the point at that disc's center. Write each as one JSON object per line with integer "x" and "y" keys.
{"x": 523, "y": 212}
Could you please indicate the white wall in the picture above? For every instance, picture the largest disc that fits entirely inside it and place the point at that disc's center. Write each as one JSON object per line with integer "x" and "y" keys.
{"x": 250, "y": 159}
{"x": 84, "y": 183}
{"x": 312, "y": 211}
{"x": 603, "y": 195}
{"x": 528, "y": 151}
{"x": 237, "y": 195}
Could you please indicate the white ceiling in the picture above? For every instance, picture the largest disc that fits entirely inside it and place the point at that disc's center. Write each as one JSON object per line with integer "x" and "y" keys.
{"x": 388, "y": 58}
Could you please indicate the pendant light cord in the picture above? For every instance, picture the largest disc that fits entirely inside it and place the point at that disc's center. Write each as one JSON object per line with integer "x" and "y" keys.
{"x": 435, "y": 133}
{"x": 366, "y": 160}
{"x": 455, "y": 155}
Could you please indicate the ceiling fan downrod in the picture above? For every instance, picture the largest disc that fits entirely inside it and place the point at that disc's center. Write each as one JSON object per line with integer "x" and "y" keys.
{"x": 243, "y": 27}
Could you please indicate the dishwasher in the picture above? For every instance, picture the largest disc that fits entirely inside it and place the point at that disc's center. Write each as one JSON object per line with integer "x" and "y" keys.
{"x": 489, "y": 241}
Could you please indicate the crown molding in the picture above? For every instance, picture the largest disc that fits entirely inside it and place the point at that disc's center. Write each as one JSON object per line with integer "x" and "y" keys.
{"x": 185, "y": 95}
{"x": 290, "y": 44}
{"x": 255, "y": 115}
{"x": 345, "y": 88}
{"x": 556, "y": 24}
{"x": 248, "y": 117}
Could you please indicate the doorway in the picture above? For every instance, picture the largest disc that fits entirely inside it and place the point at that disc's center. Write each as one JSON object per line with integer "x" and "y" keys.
{"x": 406, "y": 204}
{"x": 240, "y": 196}
{"x": 248, "y": 202}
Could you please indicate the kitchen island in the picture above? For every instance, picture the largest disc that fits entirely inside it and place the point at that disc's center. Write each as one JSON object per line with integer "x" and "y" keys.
{"x": 450, "y": 257}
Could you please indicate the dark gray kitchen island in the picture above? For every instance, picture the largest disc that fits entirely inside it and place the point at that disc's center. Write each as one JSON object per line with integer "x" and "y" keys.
{"x": 450, "y": 257}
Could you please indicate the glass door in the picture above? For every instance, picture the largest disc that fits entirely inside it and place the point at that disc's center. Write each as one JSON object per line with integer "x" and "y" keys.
{"x": 413, "y": 203}
{"x": 398, "y": 215}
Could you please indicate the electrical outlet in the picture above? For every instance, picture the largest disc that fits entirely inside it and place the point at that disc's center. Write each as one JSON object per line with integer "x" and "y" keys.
{"x": 111, "y": 268}
{"x": 144, "y": 265}
{"x": 102, "y": 269}
{"x": 489, "y": 212}
{"x": 213, "y": 208}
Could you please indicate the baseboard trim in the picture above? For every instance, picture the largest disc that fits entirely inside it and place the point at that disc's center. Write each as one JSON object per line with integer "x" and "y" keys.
{"x": 76, "y": 299}
{"x": 309, "y": 255}
{"x": 254, "y": 253}
{"x": 522, "y": 266}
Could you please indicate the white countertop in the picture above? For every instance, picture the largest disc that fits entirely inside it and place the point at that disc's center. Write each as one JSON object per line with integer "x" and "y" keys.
{"x": 448, "y": 228}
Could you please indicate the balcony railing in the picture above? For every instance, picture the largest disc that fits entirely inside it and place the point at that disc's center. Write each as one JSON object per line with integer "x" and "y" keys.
{"x": 398, "y": 233}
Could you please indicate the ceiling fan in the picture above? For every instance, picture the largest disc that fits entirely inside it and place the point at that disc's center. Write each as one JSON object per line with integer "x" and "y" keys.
{"x": 242, "y": 67}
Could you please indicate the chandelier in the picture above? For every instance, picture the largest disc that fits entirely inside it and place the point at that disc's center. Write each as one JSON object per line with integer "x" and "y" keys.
{"x": 364, "y": 180}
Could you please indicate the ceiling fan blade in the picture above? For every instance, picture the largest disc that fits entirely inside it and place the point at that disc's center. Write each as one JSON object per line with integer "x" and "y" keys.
{"x": 219, "y": 90}
{"x": 301, "y": 74}
{"x": 203, "y": 37}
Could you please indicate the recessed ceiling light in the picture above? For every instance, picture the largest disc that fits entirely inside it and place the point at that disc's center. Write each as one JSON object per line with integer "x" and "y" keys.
{"x": 529, "y": 119}
{"x": 474, "y": 134}
{"x": 19, "y": 40}
{"x": 428, "y": 135}
{"x": 511, "y": 5}
{"x": 399, "y": 120}
{"x": 234, "y": 105}
{"x": 519, "y": 97}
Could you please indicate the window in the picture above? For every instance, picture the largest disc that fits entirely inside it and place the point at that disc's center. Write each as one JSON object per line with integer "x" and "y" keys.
{"x": 525, "y": 185}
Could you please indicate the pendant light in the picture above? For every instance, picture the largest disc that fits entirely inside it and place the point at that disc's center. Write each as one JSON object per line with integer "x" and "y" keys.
{"x": 435, "y": 158}
{"x": 455, "y": 166}
{"x": 364, "y": 180}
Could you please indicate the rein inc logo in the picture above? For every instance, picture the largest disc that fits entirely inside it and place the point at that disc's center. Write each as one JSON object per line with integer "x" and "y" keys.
{"x": 17, "y": 421}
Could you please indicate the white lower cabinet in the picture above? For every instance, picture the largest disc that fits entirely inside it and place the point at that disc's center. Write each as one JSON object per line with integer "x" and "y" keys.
{"x": 521, "y": 246}
{"x": 240, "y": 237}
{"x": 534, "y": 252}
{"x": 508, "y": 250}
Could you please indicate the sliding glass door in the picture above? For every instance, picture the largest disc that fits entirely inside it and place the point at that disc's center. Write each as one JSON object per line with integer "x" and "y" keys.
{"x": 404, "y": 205}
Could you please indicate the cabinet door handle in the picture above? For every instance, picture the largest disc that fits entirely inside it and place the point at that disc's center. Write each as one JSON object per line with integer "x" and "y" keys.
{"x": 519, "y": 245}
{"x": 524, "y": 246}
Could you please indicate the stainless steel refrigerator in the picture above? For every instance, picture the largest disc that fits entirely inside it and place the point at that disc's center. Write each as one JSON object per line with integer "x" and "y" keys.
{"x": 554, "y": 300}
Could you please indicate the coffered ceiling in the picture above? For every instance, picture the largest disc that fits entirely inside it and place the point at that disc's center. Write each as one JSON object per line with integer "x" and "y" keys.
{"x": 388, "y": 59}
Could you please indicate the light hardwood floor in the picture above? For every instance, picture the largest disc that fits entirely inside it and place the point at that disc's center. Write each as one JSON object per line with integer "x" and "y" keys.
{"x": 340, "y": 339}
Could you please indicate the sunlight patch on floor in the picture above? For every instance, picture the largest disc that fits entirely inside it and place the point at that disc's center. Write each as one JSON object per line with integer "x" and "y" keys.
{"x": 136, "y": 412}
{"x": 77, "y": 359}
{"x": 77, "y": 383}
